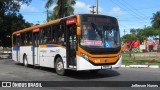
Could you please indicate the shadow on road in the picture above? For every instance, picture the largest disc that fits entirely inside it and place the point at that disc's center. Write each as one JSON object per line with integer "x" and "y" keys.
{"x": 85, "y": 75}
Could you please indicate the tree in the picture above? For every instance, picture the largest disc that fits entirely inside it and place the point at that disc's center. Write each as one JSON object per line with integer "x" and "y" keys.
{"x": 133, "y": 31}
{"x": 129, "y": 38}
{"x": 11, "y": 20}
{"x": 11, "y": 6}
{"x": 156, "y": 22}
{"x": 63, "y": 8}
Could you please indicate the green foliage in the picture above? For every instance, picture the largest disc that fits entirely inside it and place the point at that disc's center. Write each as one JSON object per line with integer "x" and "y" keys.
{"x": 151, "y": 31}
{"x": 11, "y": 20}
{"x": 63, "y": 8}
{"x": 143, "y": 34}
{"x": 156, "y": 20}
{"x": 11, "y": 6}
{"x": 128, "y": 37}
{"x": 133, "y": 31}
{"x": 156, "y": 23}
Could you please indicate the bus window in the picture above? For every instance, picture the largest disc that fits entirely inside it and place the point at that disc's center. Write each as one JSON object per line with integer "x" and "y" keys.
{"x": 14, "y": 40}
{"x": 61, "y": 38}
{"x": 46, "y": 35}
{"x": 29, "y": 38}
{"x": 58, "y": 34}
{"x": 61, "y": 34}
{"x": 22, "y": 39}
{"x": 53, "y": 34}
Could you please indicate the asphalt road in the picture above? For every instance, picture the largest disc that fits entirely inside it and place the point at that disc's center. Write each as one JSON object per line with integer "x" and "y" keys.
{"x": 10, "y": 71}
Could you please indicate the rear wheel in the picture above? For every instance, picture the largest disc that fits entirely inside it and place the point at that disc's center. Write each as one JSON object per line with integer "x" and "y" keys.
{"x": 25, "y": 61}
{"x": 59, "y": 65}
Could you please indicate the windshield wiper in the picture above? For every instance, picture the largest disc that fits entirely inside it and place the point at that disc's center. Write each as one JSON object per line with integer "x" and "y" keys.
{"x": 96, "y": 29}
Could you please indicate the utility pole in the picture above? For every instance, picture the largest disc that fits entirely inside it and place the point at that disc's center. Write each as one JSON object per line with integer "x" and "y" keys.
{"x": 92, "y": 9}
{"x": 97, "y": 6}
{"x": 124, "y": 31}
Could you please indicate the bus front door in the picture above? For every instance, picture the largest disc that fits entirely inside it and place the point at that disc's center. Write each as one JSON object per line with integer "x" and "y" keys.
{"x": 18, "y": 48}
{"x": 35, "y": 48}
{"x": 71, "y": 45}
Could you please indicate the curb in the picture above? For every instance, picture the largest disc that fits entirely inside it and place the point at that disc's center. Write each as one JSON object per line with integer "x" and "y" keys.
{"x": 153, "y": 66}
{"x": 140, "y": 66}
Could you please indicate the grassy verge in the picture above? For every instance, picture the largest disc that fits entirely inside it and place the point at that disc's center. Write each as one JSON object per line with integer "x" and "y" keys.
{"x": 140, "y": 60}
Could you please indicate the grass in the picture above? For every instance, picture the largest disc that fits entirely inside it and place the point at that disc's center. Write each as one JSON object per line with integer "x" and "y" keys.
{"x": 140, "y": 60}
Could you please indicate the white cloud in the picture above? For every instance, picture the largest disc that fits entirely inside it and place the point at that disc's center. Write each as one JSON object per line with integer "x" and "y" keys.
{"x": 117, "y": 10}
{"x": 24, "y": 7}
{"x": 52, "y": 7}
{"x": 81, "y": 7}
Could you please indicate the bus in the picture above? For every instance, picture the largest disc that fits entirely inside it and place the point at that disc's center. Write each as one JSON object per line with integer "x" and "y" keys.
{"x": 77, "y": 42}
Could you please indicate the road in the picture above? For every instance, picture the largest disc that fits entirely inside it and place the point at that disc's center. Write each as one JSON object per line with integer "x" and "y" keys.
{"x": 10, "y": 71}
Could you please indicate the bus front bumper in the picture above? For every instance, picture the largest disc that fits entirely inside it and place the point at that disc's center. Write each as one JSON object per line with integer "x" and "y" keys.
{"x": 118, "y": 64}
{"x": 83, "y": 64}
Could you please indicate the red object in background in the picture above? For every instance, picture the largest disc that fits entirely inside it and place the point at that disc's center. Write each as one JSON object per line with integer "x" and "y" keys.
{"x": 154, "y": 44}
{"x": 151, "y": 61}
{"x": 134, "y": 44}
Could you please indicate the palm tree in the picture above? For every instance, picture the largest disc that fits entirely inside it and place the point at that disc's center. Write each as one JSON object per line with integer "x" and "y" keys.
{"x": 133, "y": 31}
{"x": 63, "y": 8}
{"x": 156, "y": 21}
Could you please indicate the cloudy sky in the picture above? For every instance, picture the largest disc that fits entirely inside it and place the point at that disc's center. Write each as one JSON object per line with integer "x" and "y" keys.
{"x": 130, "y": 13}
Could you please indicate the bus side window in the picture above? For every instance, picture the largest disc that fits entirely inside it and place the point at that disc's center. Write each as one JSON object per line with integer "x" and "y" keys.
{"x": 43, "y": 40}
{"x": 46, "y": 35}
{"x": 61, "y": 34}
{"x": 53, "y": 34}
{"x": 29, "y": 38}
{"x": 14, "y": 40}
{"x": 22, "y": 39}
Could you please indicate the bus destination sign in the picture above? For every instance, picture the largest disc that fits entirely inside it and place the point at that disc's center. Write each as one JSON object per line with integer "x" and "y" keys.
{"x": 71, "y": 21}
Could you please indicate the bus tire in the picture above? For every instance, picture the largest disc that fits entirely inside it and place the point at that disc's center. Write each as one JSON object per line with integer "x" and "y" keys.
{"x": 59, "y": 66}
{"x": 25, "y": 61}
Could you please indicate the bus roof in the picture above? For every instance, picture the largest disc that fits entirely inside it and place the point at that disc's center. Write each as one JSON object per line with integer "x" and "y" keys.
{"x": 52, "y": 22}
{"x": 41, "y": 25}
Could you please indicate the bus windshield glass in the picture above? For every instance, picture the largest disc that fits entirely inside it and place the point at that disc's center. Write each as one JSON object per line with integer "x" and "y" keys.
{"x": 100, "y": 35}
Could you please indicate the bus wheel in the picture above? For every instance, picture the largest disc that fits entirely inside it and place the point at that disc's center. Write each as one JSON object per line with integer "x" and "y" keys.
{"x": 25, "y": 61}
{"x": 59, "y": 67}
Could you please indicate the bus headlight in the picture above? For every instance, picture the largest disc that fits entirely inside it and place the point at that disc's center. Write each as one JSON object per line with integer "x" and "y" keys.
{"x": 84, "y": 56}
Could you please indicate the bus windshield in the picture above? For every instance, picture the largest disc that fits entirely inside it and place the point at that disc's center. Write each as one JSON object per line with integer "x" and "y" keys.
{"x": 100, "y": 35}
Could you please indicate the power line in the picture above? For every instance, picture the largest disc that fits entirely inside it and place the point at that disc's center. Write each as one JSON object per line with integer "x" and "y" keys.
{"x": 131, "y": 10}
{"x": 127, "y": 11}
{"x": 134, "y": 8}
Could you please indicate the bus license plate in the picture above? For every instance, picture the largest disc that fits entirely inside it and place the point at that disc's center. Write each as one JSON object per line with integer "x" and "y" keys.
{"x": 106, "y": 66}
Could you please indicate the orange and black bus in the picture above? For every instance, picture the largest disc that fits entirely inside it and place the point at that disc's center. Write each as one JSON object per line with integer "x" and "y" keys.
{"x": 77, "y": 42}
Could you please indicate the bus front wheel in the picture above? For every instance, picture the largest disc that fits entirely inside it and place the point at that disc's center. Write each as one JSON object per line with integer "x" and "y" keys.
{"x": 59, "y": 66}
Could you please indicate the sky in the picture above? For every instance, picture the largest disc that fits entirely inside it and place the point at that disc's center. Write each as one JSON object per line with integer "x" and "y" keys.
{"x": 130, "y": 13}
